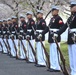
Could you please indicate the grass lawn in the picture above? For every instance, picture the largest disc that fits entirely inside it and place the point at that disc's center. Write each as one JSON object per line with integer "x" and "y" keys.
{"x": 64, "y": 49}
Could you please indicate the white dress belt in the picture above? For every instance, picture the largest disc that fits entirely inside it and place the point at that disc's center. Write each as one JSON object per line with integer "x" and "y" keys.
{"x": 21, "y": 31}
{"x": 13, "y": 32}
{"x": 39, "y": 31}
{"x": 29, "y": 30}
{"x": 4, "y": 31}
{"x": 73, "y": 30}
{"x": 54, "y": 30}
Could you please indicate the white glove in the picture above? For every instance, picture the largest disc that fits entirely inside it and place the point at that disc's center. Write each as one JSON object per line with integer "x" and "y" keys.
{"x": 55, "y": 35}
{"x": 74, "y": 34}
{"x": 11, "y": 35}
{"x": 39, "y": 36}
{"x": 20, "y": 36}
{"x": 35, "y": 33}
{"x": 74, "y": 37}
{"x": 27, "y": 36}
{"x": 8, "y": 32}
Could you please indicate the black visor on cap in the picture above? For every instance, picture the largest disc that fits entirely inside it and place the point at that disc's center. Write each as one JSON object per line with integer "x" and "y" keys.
{"x": 28, "y": 14}
{"x": 22, "y": 17}
{"x": 9, "y": 20}
{"x": 54, "y": 9}
{"x": 39, "y": 13}
{"x": 4, "y": 21}
{"x": 14, "y": 18}
{"x": 72, "y": 5}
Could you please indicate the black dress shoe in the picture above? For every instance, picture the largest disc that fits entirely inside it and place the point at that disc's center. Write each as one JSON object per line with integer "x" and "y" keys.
{"x": 12, "y": 56}
{"x": 37, "y": 65}
{"x": 8, "y": 54}
{"x": 53, "y": 70}
{"x": 4, "y": 53}
{"x": 29, "y": 62}
{"x": 20, "y": 59}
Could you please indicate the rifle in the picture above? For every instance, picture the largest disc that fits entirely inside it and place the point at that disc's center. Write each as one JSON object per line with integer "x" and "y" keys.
{"x": 14, "y": 46}
{"x": 2, "y": 47}
{"x": 47, "y": 55}
{"x": 4, "y": 41}
{"x": 32, "y": 50}
{"x": 9, "y": 49}
{"x": 64, "y": 70}
{"x": 48, "y": 14}
{"x": 6, "y": 45}
{"x": 24, "y": 49}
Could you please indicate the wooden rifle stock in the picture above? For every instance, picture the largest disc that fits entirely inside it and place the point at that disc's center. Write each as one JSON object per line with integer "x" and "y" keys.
{"x": 15, "y": 47}
{"x": 24, "y": 49}
{"x": 47, "y": 55}
{"x": 9, "y": 49}
{"x": 1, "y": 46}
{"x": 5, "y": 45}
{"x": 32, "y": 51}
{"x": 64, "y": 70}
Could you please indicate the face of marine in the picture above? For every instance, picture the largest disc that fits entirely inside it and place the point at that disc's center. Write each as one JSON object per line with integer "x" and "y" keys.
{"x": 39, "y": 15}
{"x": 22, "y": 19}
{"x": 5, "y": 22}
{"x": 29, "y": 16}
{"x": 73, "y": 9}
{"x": 9, "y": 22}
{"x": 55, "y": 12}
{"x": 14, "y": 20}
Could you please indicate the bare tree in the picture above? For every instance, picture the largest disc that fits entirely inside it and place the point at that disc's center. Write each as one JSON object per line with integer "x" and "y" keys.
{"x": 20, "y": 6}
{"x": 14, "y": 5}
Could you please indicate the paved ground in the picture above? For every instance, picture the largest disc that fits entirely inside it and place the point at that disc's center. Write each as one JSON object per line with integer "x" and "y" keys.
{"x": 11, "y": 66}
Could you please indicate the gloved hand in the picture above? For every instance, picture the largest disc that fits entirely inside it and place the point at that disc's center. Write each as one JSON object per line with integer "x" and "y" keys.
{"x": 27, "y": 36}
{"x": 74, "y": 37}
{"x": 8, "y": 32}
{"x": 20, "y": 36}
{"x": 36, "y": 33}
{"x": 74, "y": 34}
{"x": 11, "y": 35}
{"x": 55, "y": 35}
{"x": 39, "y": 36}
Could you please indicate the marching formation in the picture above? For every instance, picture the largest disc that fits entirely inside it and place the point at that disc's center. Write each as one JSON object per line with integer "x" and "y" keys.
{"x": 27, "y": 41}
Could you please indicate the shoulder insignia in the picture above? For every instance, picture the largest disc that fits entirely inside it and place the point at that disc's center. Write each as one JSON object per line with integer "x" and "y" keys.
{"x": 60, "y": 21}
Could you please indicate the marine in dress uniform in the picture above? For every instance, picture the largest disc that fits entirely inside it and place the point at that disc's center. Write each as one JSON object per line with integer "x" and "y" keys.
{"x": 14, "y": 31}
{"x": 4, "y": 32}
{"x": 71, "y": 25}
{"x": 30, "y": 35}
{"x": 55, "y": 24}
{"x": 40, "y": 26}
{"x": 22, "y": 31}
{"x": 9, "y": 22}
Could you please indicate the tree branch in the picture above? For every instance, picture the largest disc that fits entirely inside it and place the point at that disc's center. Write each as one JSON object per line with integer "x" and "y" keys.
{"x": 42, "y": 5}
{"x": 9, "y": 6}
{"x": 31, "y": 4}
